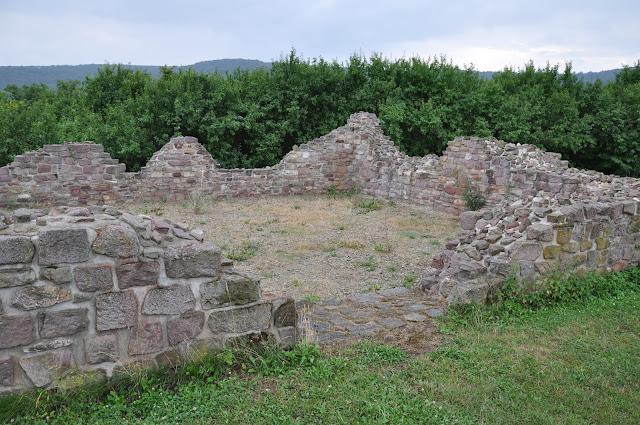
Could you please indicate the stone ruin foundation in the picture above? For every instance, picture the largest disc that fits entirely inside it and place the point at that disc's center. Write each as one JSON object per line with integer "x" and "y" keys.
{"x": 94, "y": 289}
{"x": 85, "y": 292}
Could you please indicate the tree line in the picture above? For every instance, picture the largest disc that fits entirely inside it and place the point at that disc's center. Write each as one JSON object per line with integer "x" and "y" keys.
{"x": 253, "y": 118}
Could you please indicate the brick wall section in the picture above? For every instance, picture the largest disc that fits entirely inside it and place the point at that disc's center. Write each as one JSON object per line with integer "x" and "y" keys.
{"x": 96, "y": 291}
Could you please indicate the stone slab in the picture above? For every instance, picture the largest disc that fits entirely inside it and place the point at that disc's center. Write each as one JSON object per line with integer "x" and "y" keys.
{"x": 137, "y": 273}
{"x": 58, "y": 246}
{"x": 197, "y": 260}
{"x": 33, "y": 297}
{"x": 16, "y": 249}
{"x": 116, "y": 310}
{"x": 119, "y": 241}
{"x": 145, "y": 338}
{"x": 17, "y": 276}
{"x": 101, "y": 348}
{"x": 45, "y": 368}
{"x": 187, "y": 326}
{"x": 16, "y": 331}
{"x": 63, "y": 322}
{"x": 240, "y": 319}
{"x": 170, "y": 300}
{"x": 93, "y": 278}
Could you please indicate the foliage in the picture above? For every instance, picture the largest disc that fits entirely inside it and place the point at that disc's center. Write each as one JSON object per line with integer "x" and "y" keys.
{"x": 561, "y": 285}
{"x": 473, "y": 198}
{"x": 253, "y": 118}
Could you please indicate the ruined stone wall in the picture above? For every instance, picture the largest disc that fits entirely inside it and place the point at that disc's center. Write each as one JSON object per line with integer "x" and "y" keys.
{"x": 88, "y": 292}
{"x": 529, "y": 237}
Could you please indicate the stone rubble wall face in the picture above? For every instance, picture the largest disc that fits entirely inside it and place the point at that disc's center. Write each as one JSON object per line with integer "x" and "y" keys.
{"x": 357, "y": 156}
{"x": 86, "y": 292}
{"x": 529, "y": 238}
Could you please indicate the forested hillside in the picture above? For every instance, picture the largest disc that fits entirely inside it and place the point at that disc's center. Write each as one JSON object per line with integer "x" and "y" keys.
{"x": 51, "y": 74}
{"x": 253, "y": 118}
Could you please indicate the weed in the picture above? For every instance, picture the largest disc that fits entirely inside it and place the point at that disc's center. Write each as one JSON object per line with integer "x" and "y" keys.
{"x": 392, "y": 268}
{"x": 410, "y": 235}
{"x": 383, "y": 247}
{"x": 296, "y": 207}
{"x": 392, "y": 203}
{"x": 245, "y": 252}
{"x": 375, "y": 287}
{"x": 435, "y": 242}
{"x": 311, "y": 297}
{"x": 332, "y": 191}
{"x": 296, "y": 283}
{"x": 341, "y": 227}
{"x": 366, "y": 206}
{"x": 408, "y": 280}
{"x": 370, "y": 264}
{"x": 328, "y": 248}
{"x": 472, "y": 196}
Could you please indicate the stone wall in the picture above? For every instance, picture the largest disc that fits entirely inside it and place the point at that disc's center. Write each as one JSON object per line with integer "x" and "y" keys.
{"x": 529, "y": 237}
{"x": 85, "y": 292}
{"x": 359, "y": 156}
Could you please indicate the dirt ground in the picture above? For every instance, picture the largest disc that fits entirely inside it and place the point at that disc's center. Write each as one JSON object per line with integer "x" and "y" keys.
{"x": 316, "y": 247}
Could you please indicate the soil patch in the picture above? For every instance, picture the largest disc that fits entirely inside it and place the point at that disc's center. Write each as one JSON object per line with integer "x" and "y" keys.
{"x": 316, "y": 247}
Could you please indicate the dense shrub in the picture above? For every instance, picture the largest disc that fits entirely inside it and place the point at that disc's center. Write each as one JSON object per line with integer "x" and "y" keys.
{"x": 253, "y": 118}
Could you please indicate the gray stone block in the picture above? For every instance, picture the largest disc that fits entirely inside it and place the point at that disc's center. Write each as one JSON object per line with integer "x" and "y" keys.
{"x": 137, "y": 273}
{"x": 101, "y": 348}
{"x": 116, "y": 310}
{"x": 57, "y": 275}
{"x": 16, "y": 249}
{"x": 285, "y": 313}
{"x": 94, "y": 278}
{"x": 119, "y": 241}
{"x": 145, "y": 338}
{"x": 230, "y": 289}
{"x": 172, "y": 300}
{"x": 540, "y": 232}
{"x": 45, "y": 368}
{"x": 468, "y": 219}
{"x": 34, "y": 297}
{"x": 63, "y": 246}
{"x": 529, "y": 251}
{"x": 16, "y": 330}
{"x": 465, "y": 270}
{"x": 63, "y": 322}
{"x": 187, "y": 326}
{"x": 17, "y": 276}
{"x": 49, "y": 345}
{"x": 6, "y": 371}
{"x": 240, "y": 319}
{"x": 197, "y": 260}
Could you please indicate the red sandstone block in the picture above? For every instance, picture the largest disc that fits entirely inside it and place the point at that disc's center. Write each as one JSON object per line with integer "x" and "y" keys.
{"x": 176, "y": 163}
{"x": 4, "y": 171}
{"x": 44, "y": 168}
{"x": 90, "y": 169}
{"x": 450, "y": 190}
{"x": 5, "y": 178}
{"x": 41, "y": 177}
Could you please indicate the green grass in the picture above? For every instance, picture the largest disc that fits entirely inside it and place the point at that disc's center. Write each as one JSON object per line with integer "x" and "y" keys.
{"x": 572, "y": 361}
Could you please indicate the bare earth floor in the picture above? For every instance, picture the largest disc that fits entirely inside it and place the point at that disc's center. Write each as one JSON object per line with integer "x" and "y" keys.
{"x": 316, "y": 247}
{"x": 336, "y": 256}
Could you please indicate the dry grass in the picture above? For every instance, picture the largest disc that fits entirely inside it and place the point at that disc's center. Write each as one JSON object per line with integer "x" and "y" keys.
{"x": 317, "y": 241}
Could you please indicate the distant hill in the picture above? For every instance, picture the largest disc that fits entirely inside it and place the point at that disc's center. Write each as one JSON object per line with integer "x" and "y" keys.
{"x": 587, "y": 77}
{"x": 49, "y": 75}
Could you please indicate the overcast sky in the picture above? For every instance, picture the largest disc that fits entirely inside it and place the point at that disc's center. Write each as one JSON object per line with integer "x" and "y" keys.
{"x": 488, "y": 34}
